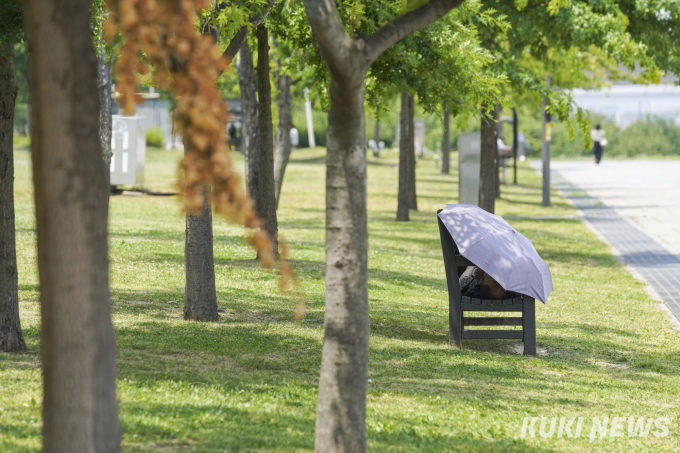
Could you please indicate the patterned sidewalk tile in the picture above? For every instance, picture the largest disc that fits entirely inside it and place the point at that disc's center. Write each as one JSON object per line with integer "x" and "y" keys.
{"x": 659, "y": 267}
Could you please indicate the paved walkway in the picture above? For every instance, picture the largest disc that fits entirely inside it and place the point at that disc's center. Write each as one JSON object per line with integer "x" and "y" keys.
{"x": 635, "y": 205}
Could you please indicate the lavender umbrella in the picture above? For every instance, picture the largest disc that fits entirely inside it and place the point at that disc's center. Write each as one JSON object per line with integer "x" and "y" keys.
{"x": 493, "y": 245}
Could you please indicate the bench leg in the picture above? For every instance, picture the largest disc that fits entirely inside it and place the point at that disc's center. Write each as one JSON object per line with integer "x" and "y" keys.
{"x": 529, "y": 325}
{"x": 455, "y": 327}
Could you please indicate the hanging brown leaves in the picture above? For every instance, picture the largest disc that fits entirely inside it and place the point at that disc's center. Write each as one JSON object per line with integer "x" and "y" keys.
{"x": 160, "y": 40}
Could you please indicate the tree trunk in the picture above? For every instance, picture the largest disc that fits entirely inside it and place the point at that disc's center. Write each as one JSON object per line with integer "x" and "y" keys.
{"x": 446, "y": 142}
{"x": 104, "y": 81}
{"x": 545, "y": 148}
{"x": 200, "y": 294}
{"x": 341, "y": 410}
{"x": 488, "y": 173}
{"x": 376, "y": 138}
{"x": 404, "y": 161}
{"x": 80, "y": 411}
{"x": 283, "y": 146}
{"x": 412, "y": 199}
{"x": 250, "y": 130}
{"x": 11, "y": 337}
{"x": 267, "y": 205}
{"x": 497, "y": 185}
{"x": 499, "y": 133}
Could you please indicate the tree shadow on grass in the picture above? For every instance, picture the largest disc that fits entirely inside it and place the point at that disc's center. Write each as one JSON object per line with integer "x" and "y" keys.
{"x": 241, "y": 305}
{"x": 308, "y": 161}
{"x": 517, "y": 189}
{"x": 149, "y": 235}
{"x": 174, "y": 236}
{"x": 436, "y": 198}
{"x": 384, "y": 440}
{"x": 227, "y": 359}
{"x": 213, "y": 427}
{"x": 574, "y": 338}
{"x": 265, "y": 376}
{"x": 591, "y": 329}
{"x": 14, "y": 435}
{"x": 432, "y": 242}
{"x": 405, "y": 279}
{"x": 539, "y": 203}
{"x": 192, "y": 350}
{"x": 437, "y": 180}
{"x": 632, "y": 362}
{"x": 398, "y": 321}
{"x": 375, "y": 163}
{"x": 286, "y": 421}
{"x": 31, "y": 287}
{"x": 255, "y": 361}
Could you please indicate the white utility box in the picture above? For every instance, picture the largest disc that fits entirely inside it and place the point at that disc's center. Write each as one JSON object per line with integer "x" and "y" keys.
{"x": 128, "y": 145}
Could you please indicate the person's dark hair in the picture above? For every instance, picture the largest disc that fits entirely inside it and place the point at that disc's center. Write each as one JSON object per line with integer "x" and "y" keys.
{"x": 597, "y": 126}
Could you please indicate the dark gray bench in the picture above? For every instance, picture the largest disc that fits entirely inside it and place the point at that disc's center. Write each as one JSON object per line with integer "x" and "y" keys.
{"x": 458, "y": 305}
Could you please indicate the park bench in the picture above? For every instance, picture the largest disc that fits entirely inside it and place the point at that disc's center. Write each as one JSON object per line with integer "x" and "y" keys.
{"x": 459, "y": 304}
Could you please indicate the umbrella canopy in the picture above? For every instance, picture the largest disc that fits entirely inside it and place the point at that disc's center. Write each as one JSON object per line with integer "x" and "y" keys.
{"x": 497, "y": 248}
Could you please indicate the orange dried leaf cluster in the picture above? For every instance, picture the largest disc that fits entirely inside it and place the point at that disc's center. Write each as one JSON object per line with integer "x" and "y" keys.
{"x": 160, "y": 40}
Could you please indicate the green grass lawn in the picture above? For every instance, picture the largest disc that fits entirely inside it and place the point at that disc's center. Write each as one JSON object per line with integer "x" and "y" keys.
{"x": 249, "y": 382}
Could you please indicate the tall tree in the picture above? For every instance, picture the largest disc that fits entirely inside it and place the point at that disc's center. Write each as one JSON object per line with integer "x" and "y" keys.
{"x": 376, "y": 138}
{"x": 405, "y": 147}
{"x": 489, "y": 154}
{"x": 105, "y": 58}
{"x": 80, "y": 411}
{"x": 104, "y": 84}
{"x": 250, "y": 129}
{"x": 248, "y": 15}
{"x": 411, "y": 155}
{"x": 446, "y": 142}
{"x": 282, "y": 143}
{"x": 267, "y": 191}
{"x": 200, "y": 293}
{"x": 406, "y": 198}
{"x": 11, "y": 336}
{"x": 341, "y": 410}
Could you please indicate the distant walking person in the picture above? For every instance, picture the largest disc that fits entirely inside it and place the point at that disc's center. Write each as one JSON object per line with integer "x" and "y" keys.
{"x": 599, "y": 138}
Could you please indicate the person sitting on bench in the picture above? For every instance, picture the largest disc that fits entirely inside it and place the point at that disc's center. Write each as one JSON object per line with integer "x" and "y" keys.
{"x": 479, "y": 285}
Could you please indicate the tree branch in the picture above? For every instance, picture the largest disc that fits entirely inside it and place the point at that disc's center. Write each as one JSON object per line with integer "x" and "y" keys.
{"x": 403, "y": 26}
{"x": 335, "y": 45}
{"x": 242, "y": 34}
{"x": 236, "y": 43}
{"x": 206, "y": 28}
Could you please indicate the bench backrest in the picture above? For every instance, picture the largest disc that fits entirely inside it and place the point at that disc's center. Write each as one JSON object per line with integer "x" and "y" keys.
{"x": 452, "y": 260}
